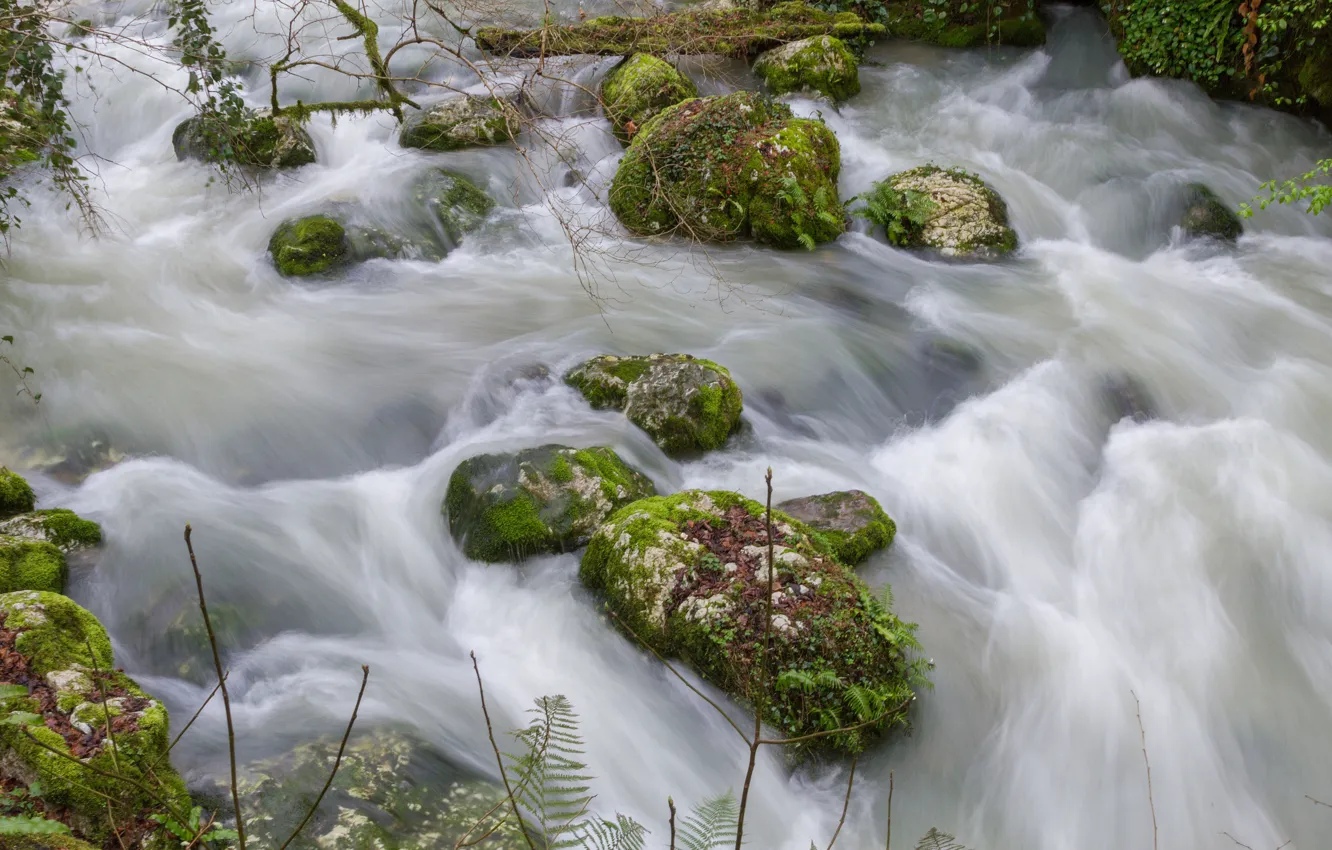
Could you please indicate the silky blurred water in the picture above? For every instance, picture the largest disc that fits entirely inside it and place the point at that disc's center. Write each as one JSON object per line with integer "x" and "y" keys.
{"x": 1059, "y": 559}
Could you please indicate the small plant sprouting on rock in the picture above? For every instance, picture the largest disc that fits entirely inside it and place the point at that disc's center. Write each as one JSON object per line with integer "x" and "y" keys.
{"x": 901, "y": 213}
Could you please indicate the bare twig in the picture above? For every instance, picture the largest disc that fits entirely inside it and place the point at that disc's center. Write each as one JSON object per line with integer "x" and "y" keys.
{"x": 181, "y": 733}
{"x": 888, "y": 839}
{"x": 846, "y": 804}
{"x": 1150, "y": 799}
{"x": 337, "y": 762}
{"x": 499, "y": 760}
{"x": 671, "y": 804}
{"x": 1317, "y": 802}
{"x": 222, "y": 684}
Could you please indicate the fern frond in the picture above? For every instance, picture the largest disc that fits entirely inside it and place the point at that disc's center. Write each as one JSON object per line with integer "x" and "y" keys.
{"x": 806, "y": 240}
{"x": 865, "y": 702}
{"x": 788, "y": 679}
{"x": 711, "y": 825}
{"x": 551, "y": 782}
{"x": 828, "y": 679}
{"x": 624, "y": 833}
{"x": 936, "y": 840}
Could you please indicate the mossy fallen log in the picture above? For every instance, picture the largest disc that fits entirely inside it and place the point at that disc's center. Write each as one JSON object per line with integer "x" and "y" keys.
{"x": 726, "y": 32}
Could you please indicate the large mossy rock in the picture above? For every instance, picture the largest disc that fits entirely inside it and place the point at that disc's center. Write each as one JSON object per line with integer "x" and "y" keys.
{"x": 638, "y": 89}
{"x": 1207, "y": 216}
{"x": 455, "y": 205}
{"x": 66, "y": 530}
{"x": 703, "y": 30}
{"x": 31, "y": 565}
{"x": 263, "y": 142}
{"x": 507, "y": 507}
{"x": 686, "y": 404}
{"x": 462, "y": 122}
{"x": 721, "y": 168}
{"x": 16, "y": 494}
{"x": 822, "y": 64}
{"x": 688, "y": 574}
{"x": 963, "y": 217}
{"x": 391, "y": 791}
{"x": 851, "y": 521}
{"x": 312, "y": 245}
{"x": 63, "y": 656}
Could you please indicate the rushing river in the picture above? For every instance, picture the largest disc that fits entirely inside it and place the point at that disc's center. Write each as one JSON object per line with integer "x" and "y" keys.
{"x": 1059, "y": 561}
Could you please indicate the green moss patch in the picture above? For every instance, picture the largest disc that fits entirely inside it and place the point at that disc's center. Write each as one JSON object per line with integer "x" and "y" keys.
{"x": 739, "y": 32}
{"x": 461, "y": 122}
{"x": 960, "y": 24}
{"x": 65, "y": 529}
{"x": 822, "y": 64}
{"x": 949, "y": 210}
{"x": 31, "y": 565}
{"x": 1206, "y": 215}
{"x": 264, "y": 141}
{"x": 686, "y": 404}
{"x": 723, "y": 168}
{"x": 455, "y": 204}
{"x": 638, "y": 89}
{"x": 851, "y": 521}
{"x": 689, "y": 575}
{"x": 312, "y": 245}
{"x": 507, "y": 507}
{"x": 15, "y": 493}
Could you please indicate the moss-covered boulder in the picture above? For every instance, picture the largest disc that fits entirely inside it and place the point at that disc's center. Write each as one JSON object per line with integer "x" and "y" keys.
{"x": 454, "y": 204}
{"x": 306, "y": 246}
{"x": 62, "y": 655}
{"x": 391, "y": 791}
{"x": 63, "y": 528}
{"x": 264, "y": 141}
{"x": 730, "y": 167}
{"x": 1207, "y": 216}
{"x": 706, "y": 29}
{"x": 851, "y": 521}
{"x": 507, "y": 507}
{"x": 15, "y": 493}
{"x": 686, "y": 404}
{"x": 689, "y": 575}
{"x": 45, "y": 842}
{"x": 949, "y": 210}
{"x": 31, "y": 565}
{"x": 639, "y": 88}
{"x": 462, "y": 122}
{"x": 822, "y": 64}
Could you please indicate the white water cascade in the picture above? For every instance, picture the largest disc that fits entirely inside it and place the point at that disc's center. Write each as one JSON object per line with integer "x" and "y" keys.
{"x": 1058, "y": 561}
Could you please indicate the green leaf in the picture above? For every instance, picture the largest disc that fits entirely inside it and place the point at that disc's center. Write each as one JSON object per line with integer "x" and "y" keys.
{"x": 21, "y": 718}
{"x": 25, "y": 825}
{"x": 11, "y": 691}
{"x": 8, "y": 339}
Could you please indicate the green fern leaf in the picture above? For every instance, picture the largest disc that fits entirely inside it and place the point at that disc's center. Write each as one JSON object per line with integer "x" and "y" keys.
{"x": 806, "y": 240}
{"x": 31, "y": 826}
{"x": 551, "y": 782}
{"x": 711, "y": 825}
{"x": 936, "y": 840}
{"x": 624, "y": 833}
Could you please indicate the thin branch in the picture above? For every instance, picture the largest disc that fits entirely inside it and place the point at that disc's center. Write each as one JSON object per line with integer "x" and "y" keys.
{"x": 337, "y": 762}
{"x": 221, "y": 683}
{"x": 671, "y": 804}
{"x": 1317, "y": 802}
{"x": 840, "y": 730}
{"x": 888, "y": 839}
{"x": 846, "y": 804}
{"x": 1150, "y": 799}
{"x": 499, "y": 760}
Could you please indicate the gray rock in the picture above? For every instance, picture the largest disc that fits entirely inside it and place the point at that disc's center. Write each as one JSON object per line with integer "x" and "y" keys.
{"x": 463, "y": 121}
{"x": 851, "y": 520}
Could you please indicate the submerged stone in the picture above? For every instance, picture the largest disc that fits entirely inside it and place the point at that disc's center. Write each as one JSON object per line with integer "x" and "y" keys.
{"x": 638, "y": 89}
{"x": 1207, "y": 216}
{"x": 730, "y": 167}
{"x": 822, "y": 64}
{"x": 507, "y": 507}
{"x": 263, "y": 142}
{"x": 70, "y": 455}
{"x": 689, "y": 575}
{"x": 308, "y": 246}
{"x": 684, "y": 403}
{"x": 454, "y": 203}
{"x": 391, "y": 791}
{"x": 63, "y": 528}
{"x": 63, "y": 656}
{"x": 463, "y": 121}
{"x": 851, "y": 521}
{"x": 949, "y": 210}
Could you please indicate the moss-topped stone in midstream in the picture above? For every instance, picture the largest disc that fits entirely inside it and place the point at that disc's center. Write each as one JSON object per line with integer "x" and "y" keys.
{"x": 308, "y": 246}
{"x": 392, "y": 790}
{"x": 736, "y": 31}
{"x": 64, "y": 658}
{"x": 731, "y": 167}
{"x": 638, "y": 89}
{"x": 16, "y": 494}
{"x": 62, "y": 528}
{"x": 851, "y": 521}
{"x": 688, "y": 575}
{"x": 263, "y": 141}
{"x": 822, "y": 64}
{"x": 455, "y": 204}
{"x": 464, "y": 121}
{"x": 967, "y": 219}
{"x": 1207, "y": 216}
{"x": 507, "y": 507}
{"x": 686, "y": 404}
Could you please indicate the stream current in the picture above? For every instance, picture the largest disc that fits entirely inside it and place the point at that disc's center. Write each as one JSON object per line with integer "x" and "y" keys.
{"x": 1060, "y": 559}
